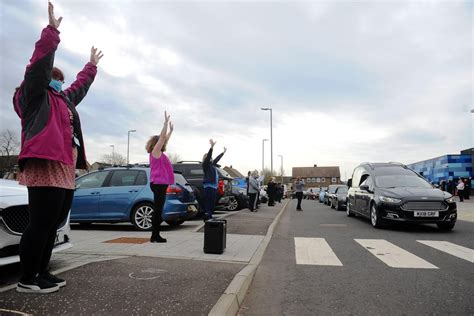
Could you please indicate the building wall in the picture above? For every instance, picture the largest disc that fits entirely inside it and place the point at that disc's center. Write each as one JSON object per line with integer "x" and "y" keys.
{"x": 312, "y": 182}
{"x": 448, "y": 167}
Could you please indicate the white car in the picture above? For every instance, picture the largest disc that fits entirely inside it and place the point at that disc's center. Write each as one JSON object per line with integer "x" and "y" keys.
{"x": 14, "y": 219}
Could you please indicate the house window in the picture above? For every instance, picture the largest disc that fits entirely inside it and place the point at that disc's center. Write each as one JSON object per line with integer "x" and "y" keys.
{"x": 318, "y": 180}
{"x": 333, "y": 180}
{"x": 323, "y": 179}
{"x": 308, "y": 180}
{"x": 313, "y": 179}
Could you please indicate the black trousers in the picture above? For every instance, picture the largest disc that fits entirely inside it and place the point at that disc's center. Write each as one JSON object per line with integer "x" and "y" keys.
{"x": 461, "y": 195}
{"x": 252, "y": 201}
{"x": 299, "y": 196}
{"x": 271, "y": 199}
{"x": 159, "y": 197}
{"x": 48, "y": 208}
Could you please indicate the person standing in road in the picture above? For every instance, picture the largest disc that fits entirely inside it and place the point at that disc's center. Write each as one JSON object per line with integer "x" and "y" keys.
{"x": 52, "y": 148}
{"x": 460, "y": 188}
{"x": 254, "y": 188}
{"x": 247, "y": 181}
{"x": 211, "y": 180}
{"x": 299, "y": 187}
{"x": 450, "y": 187}
{"x": 467, "y": 188}
{"x": 161, "y": 175}
{"x": 271, "y": 191}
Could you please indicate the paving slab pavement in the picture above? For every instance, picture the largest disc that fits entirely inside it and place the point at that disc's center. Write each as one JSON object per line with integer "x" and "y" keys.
{"x": 95, "y": 269}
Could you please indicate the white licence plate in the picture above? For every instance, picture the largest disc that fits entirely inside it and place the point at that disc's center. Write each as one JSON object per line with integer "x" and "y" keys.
{"x": 426, "y": 213}
{"x": 192, "y": 208}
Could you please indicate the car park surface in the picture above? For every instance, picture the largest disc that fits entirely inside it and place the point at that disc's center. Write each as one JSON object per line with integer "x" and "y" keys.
{"x": 122, "y": 194}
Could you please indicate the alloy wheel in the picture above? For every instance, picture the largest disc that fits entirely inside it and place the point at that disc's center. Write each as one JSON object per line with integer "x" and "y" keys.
{"x": 143, "y": 217}
{"x": 233, "y": 205}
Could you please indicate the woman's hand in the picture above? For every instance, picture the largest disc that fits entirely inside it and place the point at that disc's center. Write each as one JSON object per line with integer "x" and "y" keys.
{"x": 167, "y": 118}
{"x": 95, "y": 56}
{"x": 52, "y": 19}
{"x": 171, "y": 127}
{"x": 225, "y": 149}
{"x": 212, "y": 143}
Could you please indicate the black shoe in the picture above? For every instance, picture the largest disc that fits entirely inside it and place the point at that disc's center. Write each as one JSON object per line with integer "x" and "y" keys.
{"x": 36, "y": 285}
{"x": 53, "y": 279}
{"x": 157, "y": 239}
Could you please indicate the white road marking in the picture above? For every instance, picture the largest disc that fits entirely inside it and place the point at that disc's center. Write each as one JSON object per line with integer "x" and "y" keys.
{"x": 394, "y": 256}
{"x": 315, "y": 251}
{"x": 453, "y": 249}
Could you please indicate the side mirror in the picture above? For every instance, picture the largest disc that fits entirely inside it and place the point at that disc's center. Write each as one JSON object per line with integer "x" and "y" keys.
{"x": 364, "y": 187}
{"x": 349, "y": 183}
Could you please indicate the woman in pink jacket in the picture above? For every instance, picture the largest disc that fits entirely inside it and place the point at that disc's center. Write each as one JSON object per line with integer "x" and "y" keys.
{"x": 161, "y": 175}
{"x": 51, "y": 149}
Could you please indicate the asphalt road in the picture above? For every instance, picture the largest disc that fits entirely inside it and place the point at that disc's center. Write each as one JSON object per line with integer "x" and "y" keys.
{"x": 343, "y": 277}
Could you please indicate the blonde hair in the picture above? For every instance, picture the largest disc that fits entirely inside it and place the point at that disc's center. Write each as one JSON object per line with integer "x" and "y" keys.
{"x": 150, "y": 144}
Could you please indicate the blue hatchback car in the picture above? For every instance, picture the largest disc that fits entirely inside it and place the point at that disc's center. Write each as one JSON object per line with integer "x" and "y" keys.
{"x": 122, "y": 194}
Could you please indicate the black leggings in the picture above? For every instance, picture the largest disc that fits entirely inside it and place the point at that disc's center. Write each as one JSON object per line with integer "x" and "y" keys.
{"x": 48, "y": 208}
{"x": 159, "y": 195}
{"x": 299, "y": 196}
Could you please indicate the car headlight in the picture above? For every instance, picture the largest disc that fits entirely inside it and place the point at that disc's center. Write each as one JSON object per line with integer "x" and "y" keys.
{"x": 451, "y": 200}
{"x": 387, "y": 199}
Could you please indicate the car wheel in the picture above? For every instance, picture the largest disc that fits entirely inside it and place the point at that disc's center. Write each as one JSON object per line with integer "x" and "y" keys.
{"x": 375, "y": 219}
{"x": 233, "y": 204}
{"x": 446, "y": 226}
{"x": 333, "y": 205}
{"x": 348, "y": 210}
{"x": 175, "y": 222}
{"x": 141, "y": 216}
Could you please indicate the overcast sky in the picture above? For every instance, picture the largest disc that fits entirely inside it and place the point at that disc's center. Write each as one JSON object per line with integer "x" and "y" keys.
{"x": 348, "y": 81}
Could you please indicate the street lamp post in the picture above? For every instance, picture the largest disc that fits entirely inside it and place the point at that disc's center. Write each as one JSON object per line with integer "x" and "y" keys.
{"x": 281, "y": 167}
{"x": 263, "y": 153}
{"x": 128, "y": 144}
{"x": 113, "y": 154}
{"x": 271, "y": 138}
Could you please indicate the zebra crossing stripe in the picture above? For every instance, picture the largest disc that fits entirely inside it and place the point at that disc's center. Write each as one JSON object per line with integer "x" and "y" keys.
{"x": 453, "y": 249}
{"x": 315, "y": 251}
{"x": 394, "y": 256}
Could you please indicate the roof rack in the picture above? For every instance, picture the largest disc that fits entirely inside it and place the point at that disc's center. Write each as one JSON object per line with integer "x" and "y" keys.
{"x": 398, "y": 163}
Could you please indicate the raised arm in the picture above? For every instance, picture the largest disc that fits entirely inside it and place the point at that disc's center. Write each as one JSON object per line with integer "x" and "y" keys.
{"x": 220, "y": 156}
{"x": 78, "y": 89}
{"x": 38, "y": 71}
{"x": 209, "y": 153}
{"x": 168, "y": 136}
{"x": 156, "y": 152}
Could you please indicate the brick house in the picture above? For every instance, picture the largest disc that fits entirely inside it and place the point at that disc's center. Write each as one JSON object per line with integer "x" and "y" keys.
{"x": 315, "y": 177}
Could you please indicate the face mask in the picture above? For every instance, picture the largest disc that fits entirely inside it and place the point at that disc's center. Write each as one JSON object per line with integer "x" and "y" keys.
{"x": 56, "y": 85}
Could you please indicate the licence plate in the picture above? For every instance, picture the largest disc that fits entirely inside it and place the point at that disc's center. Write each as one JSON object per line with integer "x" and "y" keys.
{"x": 192, "y": 208}
{"x": 426, "y": 213}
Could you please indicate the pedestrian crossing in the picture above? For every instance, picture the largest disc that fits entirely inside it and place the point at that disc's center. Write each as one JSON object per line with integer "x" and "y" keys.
{"x": 317, "y": 251}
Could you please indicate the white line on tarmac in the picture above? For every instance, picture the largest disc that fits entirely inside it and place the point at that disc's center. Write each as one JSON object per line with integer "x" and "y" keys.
{"x": 453, "y": 249}
{"x": 315, "y": 251}
{"x": 394, "y": 256}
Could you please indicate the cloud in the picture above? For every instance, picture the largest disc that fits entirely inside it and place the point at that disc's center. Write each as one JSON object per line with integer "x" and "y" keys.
{"x": 348, "y": 81}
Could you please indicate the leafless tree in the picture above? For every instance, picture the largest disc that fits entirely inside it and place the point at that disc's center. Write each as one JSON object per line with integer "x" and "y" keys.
{"x": 9, "y": 143}
{"x": 174, "y": 158}
{"x": 114, "y": 159}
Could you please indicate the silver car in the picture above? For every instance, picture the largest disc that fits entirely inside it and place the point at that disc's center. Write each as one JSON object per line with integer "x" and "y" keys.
{"x": 14, "y": 219}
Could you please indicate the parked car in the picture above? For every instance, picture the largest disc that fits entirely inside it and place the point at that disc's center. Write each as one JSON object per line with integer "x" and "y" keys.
{"x": 331, "y": 195}
{"x": 14, "y": 218}
{"x": 192, "y": 171}
{"x": 123, "y": 194}
{"x": 239, "y": 191}
{"x": 239, "y": 182}
{"x": 339, "y": 201}
{"x": 391, "y": 192}
{"x": 322, "y": 194}
{"x": 312, "y": 193}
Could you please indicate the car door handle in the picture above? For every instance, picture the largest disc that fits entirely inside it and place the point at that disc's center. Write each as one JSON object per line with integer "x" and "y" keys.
{"x": 131, "y": 191}
{"x": 95, "y": 192}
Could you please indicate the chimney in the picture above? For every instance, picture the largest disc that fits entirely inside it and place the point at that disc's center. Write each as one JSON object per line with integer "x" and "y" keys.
{"x": 315, "y": 166}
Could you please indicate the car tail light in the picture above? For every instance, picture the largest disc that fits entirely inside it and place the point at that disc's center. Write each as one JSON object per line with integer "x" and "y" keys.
{"x": 220, "y": 187}
{"x": 173, "y": 190}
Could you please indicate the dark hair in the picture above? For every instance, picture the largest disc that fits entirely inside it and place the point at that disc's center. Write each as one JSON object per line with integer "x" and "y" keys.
{"x": 57, "y": 74}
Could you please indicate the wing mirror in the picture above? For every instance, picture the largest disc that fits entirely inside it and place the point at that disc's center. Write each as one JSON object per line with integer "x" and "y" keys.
{"x": 365, "y": 187}
{"x": 349, "y": 183}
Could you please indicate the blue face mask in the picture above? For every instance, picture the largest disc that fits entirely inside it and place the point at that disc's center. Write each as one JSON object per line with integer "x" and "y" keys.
{"x": 56, "y": 85}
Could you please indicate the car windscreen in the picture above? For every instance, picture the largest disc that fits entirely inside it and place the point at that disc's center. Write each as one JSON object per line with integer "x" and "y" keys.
{"x": 179, "y": 179}
{"x": 342, "y": 190}
{"x": 396, "y": 181}
{"x": 332, "y": 189}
